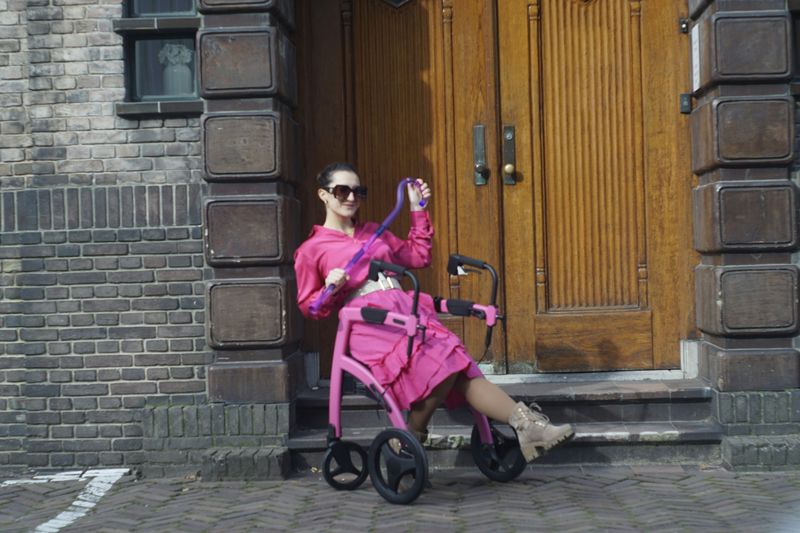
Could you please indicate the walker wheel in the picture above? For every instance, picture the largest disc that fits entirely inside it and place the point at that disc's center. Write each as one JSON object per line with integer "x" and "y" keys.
{"x": 398, "y": 466}
{"x": 500, "y": 461}
{"x": 345, "y": 465}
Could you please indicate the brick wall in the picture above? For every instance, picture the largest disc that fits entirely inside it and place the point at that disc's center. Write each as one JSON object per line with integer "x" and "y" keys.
{"x": 762, "y": 429}
{"x": 758, "y": 413}
{"x": 14, "y": 127}
{"x": 101, "y": 263}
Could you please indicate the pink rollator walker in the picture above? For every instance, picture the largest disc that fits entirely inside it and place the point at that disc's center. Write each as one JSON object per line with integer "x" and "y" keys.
{"x": 396, "y": 461}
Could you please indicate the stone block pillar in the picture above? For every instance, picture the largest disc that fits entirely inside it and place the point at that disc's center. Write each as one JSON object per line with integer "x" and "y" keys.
{"x": 745, "y": 207}
{"x": 247, "y": 76}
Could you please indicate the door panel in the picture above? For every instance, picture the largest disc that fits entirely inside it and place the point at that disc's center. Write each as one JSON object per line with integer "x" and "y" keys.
{"x": 593, "y": 224}
{"x": 669, "y": 181}
{"x": 586, "y": 182}
{"x": 394, "y": 133}
{"x": 420, "y": 85}
{"x": 594, "y": 265}
{"x": 471, "y": 96}
{"x": 594, "y": 341}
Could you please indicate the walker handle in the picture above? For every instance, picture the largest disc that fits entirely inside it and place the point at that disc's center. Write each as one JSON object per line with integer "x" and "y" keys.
{"x": 376, "y": 267}
{"x": 455, "y": 261}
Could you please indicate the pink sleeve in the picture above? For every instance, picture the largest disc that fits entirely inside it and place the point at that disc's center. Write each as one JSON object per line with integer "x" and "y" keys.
{"x": 310, "y": 284}
{"x": 415, "y": 251}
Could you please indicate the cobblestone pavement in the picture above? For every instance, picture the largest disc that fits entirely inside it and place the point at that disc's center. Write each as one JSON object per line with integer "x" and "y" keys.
{"x": 575, "y": 499}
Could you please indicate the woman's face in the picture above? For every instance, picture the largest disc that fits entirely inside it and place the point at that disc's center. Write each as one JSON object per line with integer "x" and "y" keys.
{"x": 345, "y": 199}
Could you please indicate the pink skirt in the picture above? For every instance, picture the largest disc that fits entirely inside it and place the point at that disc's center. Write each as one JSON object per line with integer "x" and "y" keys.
{"x": 382, "y": 349}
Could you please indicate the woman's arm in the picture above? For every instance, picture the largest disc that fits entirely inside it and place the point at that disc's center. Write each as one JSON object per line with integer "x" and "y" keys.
{"x": 310, "y": 284}
{"x": 415, "y": 251}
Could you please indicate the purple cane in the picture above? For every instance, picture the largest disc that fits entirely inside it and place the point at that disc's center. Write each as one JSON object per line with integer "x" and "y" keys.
{"x": 320, "y": 301}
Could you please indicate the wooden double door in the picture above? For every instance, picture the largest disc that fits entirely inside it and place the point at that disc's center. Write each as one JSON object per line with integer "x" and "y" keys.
{"x": 551, "y": 134}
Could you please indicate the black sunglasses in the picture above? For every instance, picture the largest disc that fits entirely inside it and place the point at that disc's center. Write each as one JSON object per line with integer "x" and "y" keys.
{"x": 342, "y": 192}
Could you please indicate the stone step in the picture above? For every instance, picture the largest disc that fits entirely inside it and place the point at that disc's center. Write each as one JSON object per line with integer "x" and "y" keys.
{"x": 687, "y": 442}
{"x": 575, "y": 402}
{"x": 617, "y": 422}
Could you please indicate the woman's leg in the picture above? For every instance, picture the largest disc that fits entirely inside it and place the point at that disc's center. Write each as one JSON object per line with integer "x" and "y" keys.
{"x": 533, "y": 429}
{"x": 486, "y": 397}
{"x": 422, "y": 411}
{"x": 481, "y": 394}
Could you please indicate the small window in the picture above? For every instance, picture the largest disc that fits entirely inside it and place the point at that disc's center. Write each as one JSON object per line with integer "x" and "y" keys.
{"x": 160, "y": 57}
{"x": 163, "y": 68}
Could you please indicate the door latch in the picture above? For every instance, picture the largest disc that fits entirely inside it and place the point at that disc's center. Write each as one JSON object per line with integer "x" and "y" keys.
{"x": 686, "y": 103}
{"x": 509, "y": 155}
{"x": 480, "y": 170}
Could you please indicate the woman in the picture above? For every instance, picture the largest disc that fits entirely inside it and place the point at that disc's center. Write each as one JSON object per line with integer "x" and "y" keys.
{"x": 440, "y": 369}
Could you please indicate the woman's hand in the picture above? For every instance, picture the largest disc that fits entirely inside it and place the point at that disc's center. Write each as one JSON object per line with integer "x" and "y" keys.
{"x": 337, "y": 278}
{"x": 417, "y": 191}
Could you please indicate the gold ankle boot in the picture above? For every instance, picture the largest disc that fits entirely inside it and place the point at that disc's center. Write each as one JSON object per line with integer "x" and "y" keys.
{"x": 534, "y": 430}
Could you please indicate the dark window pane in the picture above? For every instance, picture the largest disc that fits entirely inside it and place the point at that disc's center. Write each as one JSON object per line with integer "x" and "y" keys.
{"x": 164, "y": 69}
{"x": 160, "y": 8}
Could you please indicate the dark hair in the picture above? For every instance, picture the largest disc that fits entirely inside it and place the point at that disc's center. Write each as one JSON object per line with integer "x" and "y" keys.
{"x": 324, "y": 177}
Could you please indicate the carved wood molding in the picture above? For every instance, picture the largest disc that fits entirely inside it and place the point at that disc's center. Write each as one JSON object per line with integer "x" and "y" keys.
{"x": 449, "y": 115}
{"x": 534, "y": 10}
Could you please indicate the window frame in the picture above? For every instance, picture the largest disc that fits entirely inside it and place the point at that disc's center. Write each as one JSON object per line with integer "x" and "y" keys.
{"x": 162, "y": 27}
{"x": 128, "y": 8}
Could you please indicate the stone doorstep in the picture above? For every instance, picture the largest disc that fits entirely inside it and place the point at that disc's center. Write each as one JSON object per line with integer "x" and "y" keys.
{"x": 646, "y": 443}
{"x": 615, "y": 422}
{"x": 614, "y": 441}
{"x": 594, "y": 391}
{"x": 458, "y": 437}
{"x": 552, "y": 392}
{"x": 585, "y": 402}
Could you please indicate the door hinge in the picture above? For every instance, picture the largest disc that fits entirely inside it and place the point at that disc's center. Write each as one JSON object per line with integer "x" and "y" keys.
{"x": 683, "y": 25}
{"x": 686, "y": 103}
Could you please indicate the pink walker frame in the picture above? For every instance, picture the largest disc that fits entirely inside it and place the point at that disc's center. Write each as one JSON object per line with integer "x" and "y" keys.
{"x": 497, "y": 456}
{"x": 343, "y": 362}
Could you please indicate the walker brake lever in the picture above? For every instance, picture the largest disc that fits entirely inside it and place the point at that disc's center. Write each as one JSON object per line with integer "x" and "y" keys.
{"x": 423, "y": 329}
{"x": 410, "y": 348}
